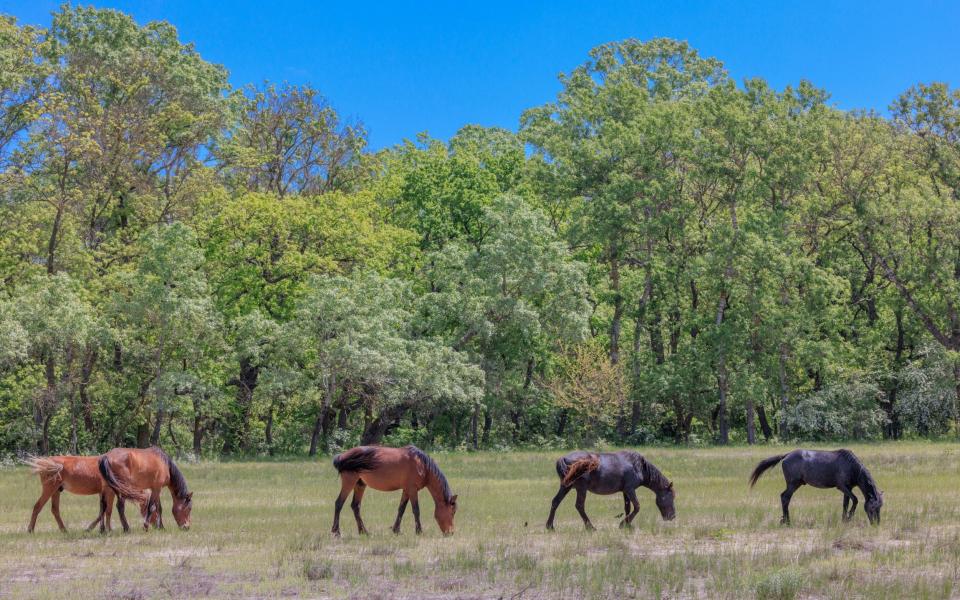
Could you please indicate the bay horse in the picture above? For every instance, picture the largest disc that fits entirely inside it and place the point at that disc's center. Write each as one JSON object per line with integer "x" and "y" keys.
{"x": 74, "y": 474}
{"x": 387, "y": 470}
{"x": 129, "y": 471}
{"x": 825, "y": 469}
{"x": 608, "y": 473}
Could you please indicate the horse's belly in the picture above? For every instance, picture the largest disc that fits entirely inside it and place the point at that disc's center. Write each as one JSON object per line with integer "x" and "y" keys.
{"x": 382, "y": 484}
{"x": 605, "y": 490}
{"x": 82, "y": 488}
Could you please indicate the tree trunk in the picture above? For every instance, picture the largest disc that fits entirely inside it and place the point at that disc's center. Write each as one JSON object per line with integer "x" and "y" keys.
{"x": 315, "y": 436}
{"x": 764, "y": 424}
{"x": 615, "y": 322}
{"x": 784, "y": 390}
{"x": 246, "y": 382}
{"x": 86, "y": 405}
{"x": 143, "y": 435}
{"x": 198, "y": 425}
{"x": 487, "y": 423}
{"x": 722, "y": 382}
{"x": 751, "y": 426}
{"x": 474, "y": 426}
{"x": 157, "y": 424}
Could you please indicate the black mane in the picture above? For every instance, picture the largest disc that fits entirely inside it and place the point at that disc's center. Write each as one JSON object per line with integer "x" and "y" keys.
{"x": 434, "y": 469}
{"x": 655, "y": 480}
{"x": 177, "y": 482}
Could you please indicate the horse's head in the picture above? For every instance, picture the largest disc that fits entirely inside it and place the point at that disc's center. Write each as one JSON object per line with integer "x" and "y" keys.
{"x": 181, "y": 510}
{"x": 444, "y": 513}
{"x": 872, "y": 507}
{"x": 665, "y": 499}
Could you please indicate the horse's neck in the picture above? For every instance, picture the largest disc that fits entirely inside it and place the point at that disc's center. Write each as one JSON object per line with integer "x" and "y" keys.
{"x": 652, "y": 478}
{"x": 435, "y": 487}
{"x": 866, "y": 483}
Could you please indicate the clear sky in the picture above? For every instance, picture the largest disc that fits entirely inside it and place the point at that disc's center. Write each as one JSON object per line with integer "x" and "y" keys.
{"x": 402, "y": 68}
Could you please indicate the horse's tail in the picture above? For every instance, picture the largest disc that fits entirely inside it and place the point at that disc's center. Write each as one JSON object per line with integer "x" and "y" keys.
{"x": 45, "y": 467}
{"x": 763, "y": 466}
{"x": 121, "y": 489}
{"x": 578, "y": 469}
{"x": 356, "y": 459}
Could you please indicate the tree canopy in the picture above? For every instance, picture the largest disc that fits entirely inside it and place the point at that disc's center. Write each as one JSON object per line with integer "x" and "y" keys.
{"x": 659, "y": 254}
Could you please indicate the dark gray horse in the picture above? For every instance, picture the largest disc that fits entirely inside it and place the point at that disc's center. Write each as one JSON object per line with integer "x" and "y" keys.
{"x": 609, "y": 473}
{"x": 839, "y": 469}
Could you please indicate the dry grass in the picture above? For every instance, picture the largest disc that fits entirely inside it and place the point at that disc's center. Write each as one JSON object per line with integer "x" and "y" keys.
{"x": 261, "y": 530}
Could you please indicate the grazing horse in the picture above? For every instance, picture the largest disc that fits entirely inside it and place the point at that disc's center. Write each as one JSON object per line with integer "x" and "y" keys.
{"x": 389, "y": 469}
{"x": 839, "y": 469}
{"x": 609, "y": 473}
{"x": 74, "y": 474}
{"x": 128, "y": 471}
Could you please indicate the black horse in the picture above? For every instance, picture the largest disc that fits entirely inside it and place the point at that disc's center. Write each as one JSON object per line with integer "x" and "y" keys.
{"x": 609, "y": 473}
{"x": 839, "y": 469}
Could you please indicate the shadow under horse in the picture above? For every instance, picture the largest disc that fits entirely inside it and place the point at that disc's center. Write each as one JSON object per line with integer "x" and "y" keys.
{"x": 608, "y": 473}
{"x": 825, "y": 469}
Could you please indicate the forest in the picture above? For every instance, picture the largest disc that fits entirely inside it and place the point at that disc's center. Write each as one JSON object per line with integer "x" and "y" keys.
{"x": 661, "y": 254}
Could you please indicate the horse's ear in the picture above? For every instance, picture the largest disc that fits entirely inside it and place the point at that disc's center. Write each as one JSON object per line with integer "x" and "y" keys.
{"x": 670, "y": 487}
{"x": 453, "y": 500}
{"x": 190, "y": 496}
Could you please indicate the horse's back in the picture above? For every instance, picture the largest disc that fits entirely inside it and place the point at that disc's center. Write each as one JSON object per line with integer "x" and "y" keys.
{"x": 819, "y": 468}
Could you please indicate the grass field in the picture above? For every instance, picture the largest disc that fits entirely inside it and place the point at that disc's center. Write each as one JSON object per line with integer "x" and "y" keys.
{"x": 261, "y": 529}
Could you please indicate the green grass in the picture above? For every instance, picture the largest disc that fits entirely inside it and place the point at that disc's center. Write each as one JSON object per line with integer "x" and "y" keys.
{"x": 262, "y": 530}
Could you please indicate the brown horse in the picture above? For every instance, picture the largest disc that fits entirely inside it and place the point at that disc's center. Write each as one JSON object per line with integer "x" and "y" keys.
{"x": 74, "y": 474}
{"x": 389, "y": 469}
{"x": 128, "y": 471}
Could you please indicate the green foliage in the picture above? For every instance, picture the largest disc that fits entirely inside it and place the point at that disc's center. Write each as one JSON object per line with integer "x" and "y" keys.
{"x": 659, "y": 254}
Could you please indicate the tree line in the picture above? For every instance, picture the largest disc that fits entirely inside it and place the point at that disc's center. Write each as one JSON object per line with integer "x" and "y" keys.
{"x": 660, "y": 254}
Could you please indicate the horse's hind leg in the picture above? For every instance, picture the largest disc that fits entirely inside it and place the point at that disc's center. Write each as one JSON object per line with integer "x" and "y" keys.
{"x": 355, "y": 505}
{"x": 347, "y": 482}
{"x": 785, "y": 502}
{"x": 44, "y": 496}
{"x": 581, "y": 506}
{"x": 55, "y": 509}
{"x": 631, "y": 503}
{"x": 555, "y": 503}
{"x": 121, "y": 504}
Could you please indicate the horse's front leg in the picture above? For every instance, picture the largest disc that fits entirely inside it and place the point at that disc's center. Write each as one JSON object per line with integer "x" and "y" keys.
{"x": 403, "y": 506}
{"x": 581, "y": 507}
{"x": 99, "y": 519}
{"x": 848, "y": 497}
{"x": 355, "y": 505}
{"x": 151, "y": 508}
{"x": 415, "y": 507}
{"x": 632, "y": 507}
{"x": 555, "y": 503}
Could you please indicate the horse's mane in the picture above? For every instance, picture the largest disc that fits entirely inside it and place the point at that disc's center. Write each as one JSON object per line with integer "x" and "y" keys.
{"x": 653, "y": 477}
{"x": 432, "y": 467}
{"x": 864, "y": 478}
{"x": 177, "y": 483}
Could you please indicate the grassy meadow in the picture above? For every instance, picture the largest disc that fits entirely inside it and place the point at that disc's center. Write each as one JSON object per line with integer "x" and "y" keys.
{"x": 261, "y": 529}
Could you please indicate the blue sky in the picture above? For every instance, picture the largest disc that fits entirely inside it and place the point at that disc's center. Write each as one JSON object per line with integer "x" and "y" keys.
{"x": 402, "y": 68}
